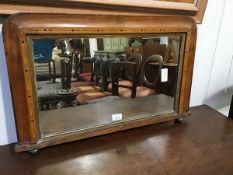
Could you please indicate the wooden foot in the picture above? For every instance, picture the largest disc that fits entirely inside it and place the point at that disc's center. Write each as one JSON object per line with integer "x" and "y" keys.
{"x": 33, "y": 152}
{"x": 179, "y": 120}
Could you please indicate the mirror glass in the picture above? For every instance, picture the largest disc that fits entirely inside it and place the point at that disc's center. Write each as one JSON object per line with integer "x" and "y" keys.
{"x": 84, "y": 82}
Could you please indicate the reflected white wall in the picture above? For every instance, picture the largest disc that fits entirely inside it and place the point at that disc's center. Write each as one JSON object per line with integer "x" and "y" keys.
{"x": 164, "y": 40}
{"x": 7, "y": 125}
{"x": 93, "y": 46}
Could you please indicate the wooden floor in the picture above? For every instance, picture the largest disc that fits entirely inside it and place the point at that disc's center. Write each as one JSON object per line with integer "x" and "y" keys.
{"x": 201, "y": 145}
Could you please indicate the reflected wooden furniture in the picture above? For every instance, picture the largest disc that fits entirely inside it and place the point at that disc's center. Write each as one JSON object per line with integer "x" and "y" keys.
{"x": 109, "y": 53}
{"x": 143, "y": 41}
{"x": 149, "y": 50}
{"x": 51, "y": 94}
{"x": 146, "y": 87}
{"x": 156, "y": 59}
{"x": 138, "y": 84}
{"x": 87, "y": 97}
{"x": 66, "y": 71}
{"x": 54, "y": 67}
{"x": 85, "y": 69}
{"x": 130, "y": 69}
{"x": 100, "y": 74}
{"x": 146, "y": 50}
{"x": 20, "y": 28}
{"x": 47, "y": 94}
{"x": 136, "y": 58}
{"x": 102, "y": 71}
{"x": 85, "y": 85}
{"x": 52, "y": 70}
{"x": 130, "y": 50}
{"x": 67, "y": 98}
{"x": 125, "y": 80}
{"x": 89, "y": 91}
{"x": 168, "y": 87}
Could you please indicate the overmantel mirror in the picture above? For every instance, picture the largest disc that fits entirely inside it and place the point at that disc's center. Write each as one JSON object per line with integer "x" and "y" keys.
{"x": 79, "y": 76}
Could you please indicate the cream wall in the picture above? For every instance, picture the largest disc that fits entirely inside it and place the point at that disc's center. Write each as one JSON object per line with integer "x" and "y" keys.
{"x": 220, "y": 86}
{"x": 210, "y": 47}
{"x": 7, "y": 126}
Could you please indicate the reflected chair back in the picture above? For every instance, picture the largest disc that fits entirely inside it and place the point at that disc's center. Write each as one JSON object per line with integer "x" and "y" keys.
{"x": 66, "y": 69}
{"x": 136, "y": 58}
{"x": 101, "y": 71}
{"x": 157, "y": 62}
{"x": 133, "y": 50}
{"x": 76, "y": 61}
{"x": 127, "y": 67}
{"x": 149, "y": 50}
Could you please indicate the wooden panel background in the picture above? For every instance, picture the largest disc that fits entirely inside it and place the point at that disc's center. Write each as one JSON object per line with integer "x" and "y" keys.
{"x": 112, "y": 7}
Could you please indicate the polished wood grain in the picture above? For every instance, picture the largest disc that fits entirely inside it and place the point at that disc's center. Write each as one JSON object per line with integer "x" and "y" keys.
{"x": 114, "y": 7}
{"x": 201, "y": 145}
{"x": 171, "y": 5}
{"x": 17, "y": 28}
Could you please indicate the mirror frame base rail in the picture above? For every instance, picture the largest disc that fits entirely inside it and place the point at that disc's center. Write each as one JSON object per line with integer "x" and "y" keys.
{"x": 88, "y": 133}
{"x": 195, "y": 10}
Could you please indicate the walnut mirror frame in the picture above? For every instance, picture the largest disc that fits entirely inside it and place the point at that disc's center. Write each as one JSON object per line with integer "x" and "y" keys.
{"x": 16, "y": 30}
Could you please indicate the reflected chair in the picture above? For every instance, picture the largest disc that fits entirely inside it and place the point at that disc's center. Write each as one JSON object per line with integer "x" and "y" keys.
{"x": 129, "y": 69}
{"x": 80, "y": 73}
{"x": 55, "y": 64}
{"x": 100, "y": 74}
{"x": 87, "y": 97}
{"x": 144, "y": 86}
{"x": 149, "y": 50}
{"x": 76, "y": 60}
{"x": 55, "y": 68}
{"x": 105, "y": 77}
{"x": 80, "y": 86}
{"x": 135, "y": 58}
{"x": 133, "y": 50}
{"x": 66, "y": 70}
{"x": 93, "y": 92}
{"x": 86, "y": 69}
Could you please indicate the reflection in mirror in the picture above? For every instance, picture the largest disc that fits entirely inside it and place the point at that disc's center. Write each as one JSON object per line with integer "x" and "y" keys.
{"x": 85, "y": 82}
